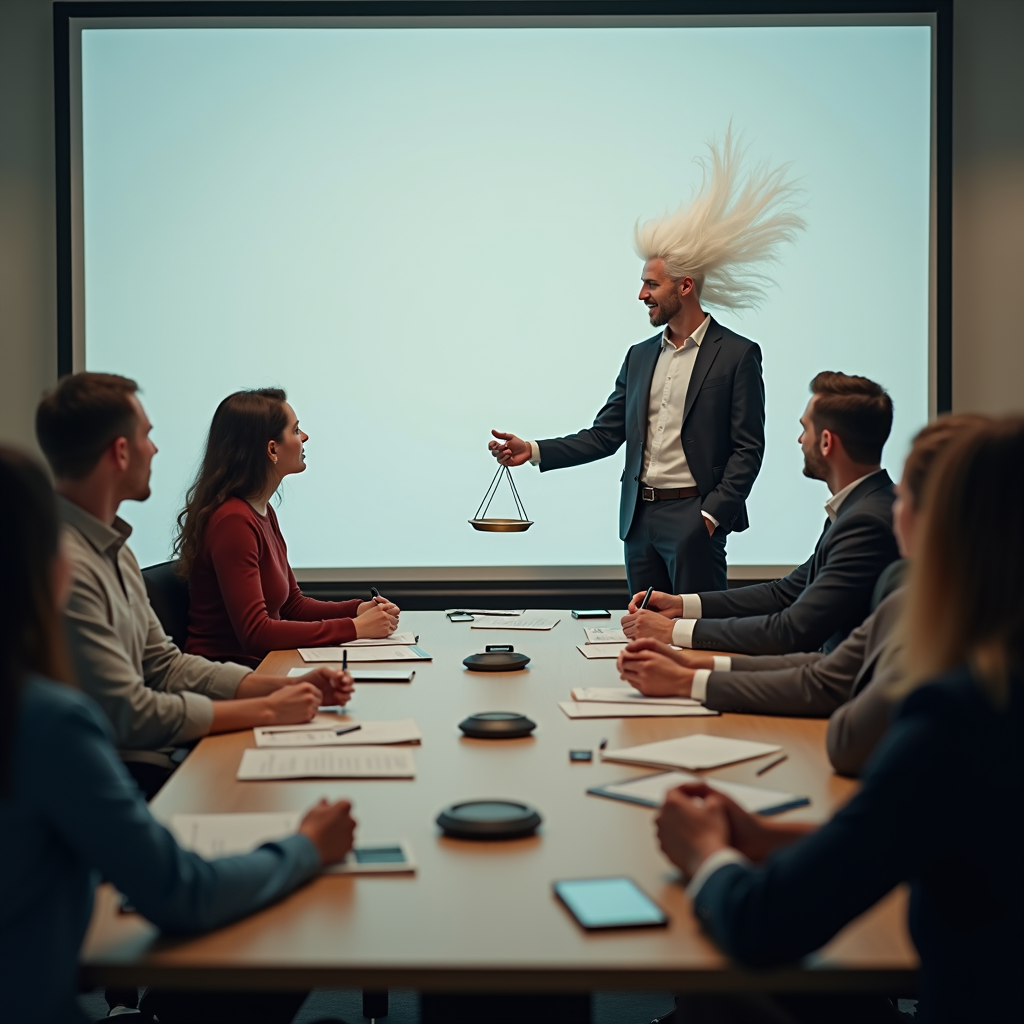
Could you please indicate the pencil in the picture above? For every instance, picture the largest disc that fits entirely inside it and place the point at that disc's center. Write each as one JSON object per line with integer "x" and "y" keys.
{"x": 771, "y": 764}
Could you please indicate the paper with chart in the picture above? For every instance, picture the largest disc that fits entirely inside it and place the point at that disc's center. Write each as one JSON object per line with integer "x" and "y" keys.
{"x": 368, "y": 675}
{"x": 389, "y": 652}
{"x": 626, "y": 695}
{"x": 517, "y": 622}
{"x": 227, "y": 835}
{"x": 327, "y": 763}
{"x": 325, "y": 734}
{"x": 651, "y": 790}
{"x": 593, "y": 651}
{"x": 691, "y": 752}
{"x": 400, "y": 639}
{"x": 595, "y": 709}
{"x": 605, "y": 635}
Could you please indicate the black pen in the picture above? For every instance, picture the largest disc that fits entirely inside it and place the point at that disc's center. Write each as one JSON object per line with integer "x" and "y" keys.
{"x": 771, "y": 764}
{"x": 647, "y": 597}
{"x": 344, "y": 659}
{"x": 374, "y": 592}
{"x": 312, "y": 728}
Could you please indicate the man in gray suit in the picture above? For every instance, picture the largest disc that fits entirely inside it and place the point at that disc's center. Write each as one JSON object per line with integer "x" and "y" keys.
{"x": 856, "y": 684}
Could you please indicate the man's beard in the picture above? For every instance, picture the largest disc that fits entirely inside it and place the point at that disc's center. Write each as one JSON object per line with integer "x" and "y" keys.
{"x": 665, "y": 311}
{"x": 814, "y": 466}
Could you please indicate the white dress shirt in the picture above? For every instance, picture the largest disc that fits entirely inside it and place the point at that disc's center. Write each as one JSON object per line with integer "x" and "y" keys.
{"x": 682, "y": 631}
{"x": 665, "y": 464}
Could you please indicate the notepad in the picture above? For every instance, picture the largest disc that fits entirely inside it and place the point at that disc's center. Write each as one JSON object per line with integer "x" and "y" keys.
{"x": 593, "y": 651}
{"x": 403, "y": 639}
{"x": 385, "y": 653}
{"x": 368, "y": 675}
{"x": 226, "y": 835}
{"x": 485, "y": 611}
{"x": 605, "y": 635}
{"x": 321, "y": 733}
{"x": 650, "y": 791}
{"x": 518, "y": 622}
{"x": 626, "y": 695}
{"x": 691, "y": 752}
{"x": 327, "y": 763}
{"x": 596, "y": 709}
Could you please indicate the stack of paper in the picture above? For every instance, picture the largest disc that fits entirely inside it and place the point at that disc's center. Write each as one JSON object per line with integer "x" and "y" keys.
{"x": 385, "y": 652}
{"x": 485, "y": 611}
{"x": 327, "y": 763}
{"x": 621, "y": 709}
{"x": 400, "y": 639}
{"x": 600, "y": 650}
{"x": 369, "y": 675}
{"x": 626, "y": 695}
{"x": 651, "y": 790}
{"x": 605, "y": 635}
{"x": 518, "y": 622}
{"x": 324, "y": 733}
{"x": 691, "y": 752}
{"x": 226, "y": 835}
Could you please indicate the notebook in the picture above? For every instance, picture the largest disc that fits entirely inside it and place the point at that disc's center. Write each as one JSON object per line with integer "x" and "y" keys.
{"x": 694, "y": 752}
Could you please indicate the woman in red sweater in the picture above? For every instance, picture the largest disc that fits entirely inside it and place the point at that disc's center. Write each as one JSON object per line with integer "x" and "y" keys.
{"x": 244, "y": 601}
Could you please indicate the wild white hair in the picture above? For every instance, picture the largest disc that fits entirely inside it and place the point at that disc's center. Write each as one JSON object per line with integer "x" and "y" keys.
{"x": 736, "y": 223}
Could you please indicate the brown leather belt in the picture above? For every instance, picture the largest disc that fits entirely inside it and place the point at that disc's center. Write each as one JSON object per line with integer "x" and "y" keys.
{"x": 668, "y": 493}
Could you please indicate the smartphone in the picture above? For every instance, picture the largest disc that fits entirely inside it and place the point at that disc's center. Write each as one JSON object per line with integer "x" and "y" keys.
{"x": 603, "y": 903}
{"x": 592, "y": 613}
{"x": 460, "y": 617}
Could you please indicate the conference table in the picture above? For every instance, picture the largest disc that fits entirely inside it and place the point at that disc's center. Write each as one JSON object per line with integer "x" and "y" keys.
{"x": 481, "y": 916}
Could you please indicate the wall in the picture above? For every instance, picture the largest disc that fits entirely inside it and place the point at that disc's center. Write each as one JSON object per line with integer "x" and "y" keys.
{"x": 988, "y": 215}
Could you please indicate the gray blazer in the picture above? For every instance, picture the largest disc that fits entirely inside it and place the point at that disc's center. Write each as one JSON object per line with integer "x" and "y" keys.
{"x": 852, "y": 684}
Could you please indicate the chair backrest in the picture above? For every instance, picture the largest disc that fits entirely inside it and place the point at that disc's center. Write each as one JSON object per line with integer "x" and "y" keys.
{"x": 168, "y": 594}
{"x": 892, "y": 577}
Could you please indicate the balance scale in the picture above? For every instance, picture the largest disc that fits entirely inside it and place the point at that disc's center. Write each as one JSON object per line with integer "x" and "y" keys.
{"x": 485, "y": 525}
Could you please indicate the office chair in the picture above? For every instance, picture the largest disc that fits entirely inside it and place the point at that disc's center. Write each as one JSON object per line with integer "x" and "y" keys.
{"x": 168, "y": 594}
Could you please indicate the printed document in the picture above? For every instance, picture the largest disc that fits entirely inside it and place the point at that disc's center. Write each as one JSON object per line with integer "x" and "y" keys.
{"x": 328, "y": 763}
{"x": 367, "y": 675}
{"x": 691, "y": 752}
{"x": 626, "y": 695}
{"x": 403, "y": 639}
{"x": 485, "y": 611}
{"x": 605, "y": 635}
{"x": 595, "y": 709}
{"x": 325, "y": 734}
{"x": 517, "y": 622}
{"x": 592, "y": 651}
{"x": 387, "y": 653}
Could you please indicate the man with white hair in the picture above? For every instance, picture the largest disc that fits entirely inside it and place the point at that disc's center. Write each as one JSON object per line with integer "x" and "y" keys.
{"x": 689, "y": 402}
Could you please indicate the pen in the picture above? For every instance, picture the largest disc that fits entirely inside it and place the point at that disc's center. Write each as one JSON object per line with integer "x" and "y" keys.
{"x": 344, "y": 659}
{"x": 647, "y": 597}
{"x": 313, "y": 728}
{"x": 374, "y": 592}
{"x": 771, "y": 764}
{"x": 603, "y": 744}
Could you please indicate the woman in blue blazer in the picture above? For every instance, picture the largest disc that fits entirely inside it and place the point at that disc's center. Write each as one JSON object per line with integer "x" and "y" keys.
{"x": 940, "y": 807}
{"x": 69, "y": 812}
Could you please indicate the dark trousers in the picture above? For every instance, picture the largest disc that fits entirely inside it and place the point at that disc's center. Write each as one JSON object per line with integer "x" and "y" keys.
{"x": 668, "y": 548}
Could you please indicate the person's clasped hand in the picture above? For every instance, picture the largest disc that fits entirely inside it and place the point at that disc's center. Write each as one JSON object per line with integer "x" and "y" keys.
{"x": 336, "y": 685}
{"x": 656, "y": 619}
{"x": 649, "y": 666}
{"x": 293, "y": 704}
{"x": 330, "y": 828}
{"x": 693, "y": 823}
{"x": 374, "y": 620}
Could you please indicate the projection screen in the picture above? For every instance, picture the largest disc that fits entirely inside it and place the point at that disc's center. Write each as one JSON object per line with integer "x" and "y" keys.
{"x": 422, "y": 230}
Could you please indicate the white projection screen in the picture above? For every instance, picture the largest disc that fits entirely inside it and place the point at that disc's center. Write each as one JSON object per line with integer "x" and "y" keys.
{"x": 421, "y": 228}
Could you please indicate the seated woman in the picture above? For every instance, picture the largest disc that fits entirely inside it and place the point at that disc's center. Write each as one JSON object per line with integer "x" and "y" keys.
{"x": 854, "y": 683}
{"x": 69, "y": 812}
{"x": 244, "y": 601}
{"x": 941, "y": 798}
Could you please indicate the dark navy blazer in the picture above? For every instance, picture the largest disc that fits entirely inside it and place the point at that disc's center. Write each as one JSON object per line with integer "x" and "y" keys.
{"x": 722, "y": 427}
{"x": 941, "y": 809}
{"x": 819, "y": 602}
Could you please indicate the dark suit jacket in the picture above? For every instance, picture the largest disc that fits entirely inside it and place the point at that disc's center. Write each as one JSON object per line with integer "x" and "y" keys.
{"x": 819, "y": 602}
{"x": 940, "y": 809}
{"x": 722, "y": 427}
{"x": 853, "y": 684}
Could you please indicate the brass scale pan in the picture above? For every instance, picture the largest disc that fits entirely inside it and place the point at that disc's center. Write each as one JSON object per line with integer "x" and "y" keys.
{"x": 484, "y": 525}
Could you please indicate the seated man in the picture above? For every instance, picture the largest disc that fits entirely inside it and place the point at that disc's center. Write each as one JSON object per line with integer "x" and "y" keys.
{"x": 95, "y": 434}
{"x": 853, "y": 684}
{"x": 845, "y": 425}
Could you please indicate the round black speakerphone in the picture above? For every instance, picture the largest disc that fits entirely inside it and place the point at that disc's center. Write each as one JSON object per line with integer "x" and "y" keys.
{"x": 497, "y": 658}
{"x": 489, "y": 819}
{"x": 497, "y": 725}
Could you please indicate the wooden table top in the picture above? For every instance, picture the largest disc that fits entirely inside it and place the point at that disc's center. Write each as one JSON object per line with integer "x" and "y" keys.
{"x": 482, "y": 915}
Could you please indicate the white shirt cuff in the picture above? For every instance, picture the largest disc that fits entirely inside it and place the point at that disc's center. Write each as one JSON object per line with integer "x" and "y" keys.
{"x": 719, "y": 859}
{"x": 534, "y": 453}
{"x": 691, "y": 606}
{"x": 699, "y": 689}
{"x": 682, "y": 632}
{"x": 723, "y": 663}
{"x": 707, "y": 515}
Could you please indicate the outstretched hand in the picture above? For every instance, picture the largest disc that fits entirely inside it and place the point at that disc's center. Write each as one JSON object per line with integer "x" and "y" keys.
{"x": 509, "y": 450}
